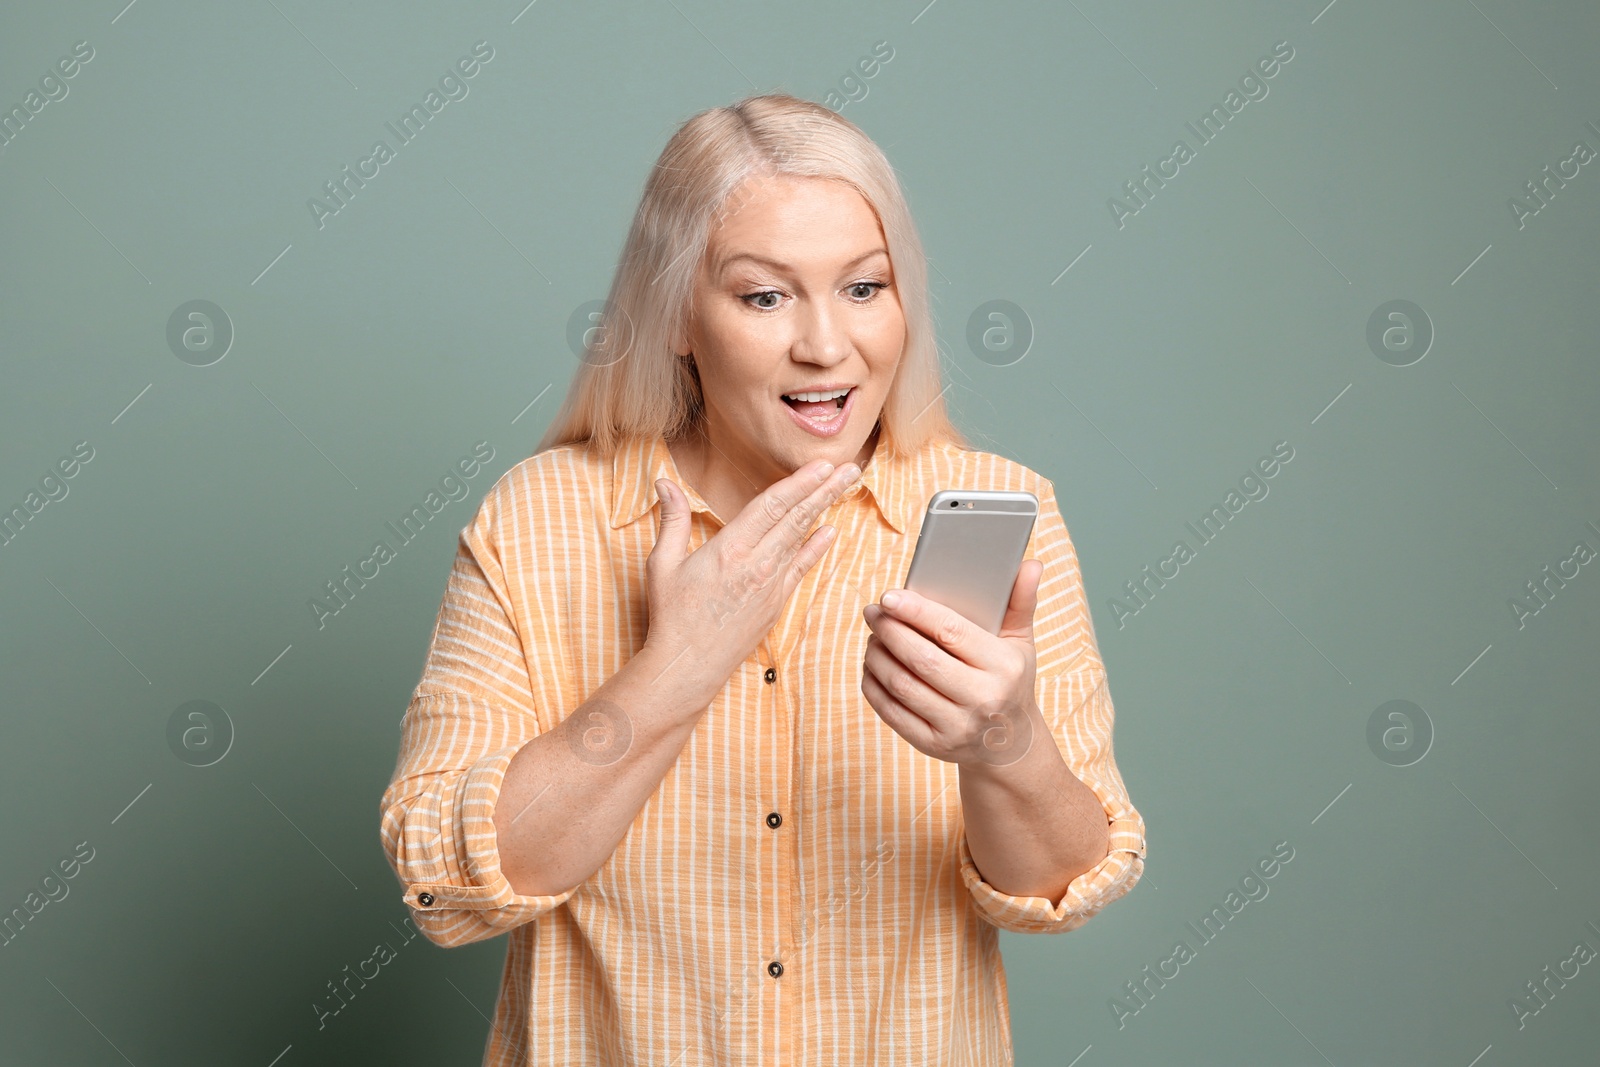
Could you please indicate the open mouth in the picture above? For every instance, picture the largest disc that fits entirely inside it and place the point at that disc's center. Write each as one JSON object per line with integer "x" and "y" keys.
{"x": 819, "y": 406}
{"x": 822, "y": 413}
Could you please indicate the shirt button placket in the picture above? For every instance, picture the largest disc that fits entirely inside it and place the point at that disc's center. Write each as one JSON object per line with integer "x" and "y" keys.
{"x": 769, "y": 676}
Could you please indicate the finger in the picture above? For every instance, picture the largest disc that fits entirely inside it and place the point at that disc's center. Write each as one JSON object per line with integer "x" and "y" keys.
{"x": 783, "y": 538}
{"x": 901, "y": 719}
{"x": 947, "y": 628}
{"x": 909, "y": 688}
{"x": 774, "y": 502}
{"x": 941, "y": 672}
{"x": 672, "y": 534}
{"x": 810, "y": 552}
{"x": 1024, "y": 600}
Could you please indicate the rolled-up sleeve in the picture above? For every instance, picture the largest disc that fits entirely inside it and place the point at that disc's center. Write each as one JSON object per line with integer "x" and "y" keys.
{"x": 468, "y": 716}
{"x": 1075, "y": 700}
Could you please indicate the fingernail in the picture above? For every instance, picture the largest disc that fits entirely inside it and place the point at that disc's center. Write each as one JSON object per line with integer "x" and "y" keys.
{"x": 889, "y": 599}
{"x": 851, "y": 473}
{"x": 823, "y": 472}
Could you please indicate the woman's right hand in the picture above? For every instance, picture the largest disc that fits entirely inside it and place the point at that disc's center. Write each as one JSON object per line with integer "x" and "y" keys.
{"x": 715, "y": 606}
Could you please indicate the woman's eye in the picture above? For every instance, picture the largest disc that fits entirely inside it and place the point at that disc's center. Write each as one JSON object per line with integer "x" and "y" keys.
{"x": 873, "y": 289}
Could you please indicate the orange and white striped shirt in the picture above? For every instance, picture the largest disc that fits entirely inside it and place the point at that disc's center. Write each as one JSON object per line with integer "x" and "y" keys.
{"x": 799, "y": 888}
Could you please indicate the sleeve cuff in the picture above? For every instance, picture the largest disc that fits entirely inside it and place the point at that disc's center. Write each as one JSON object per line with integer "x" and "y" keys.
{"x": 467, "y": 898}
{"x": 1086, "y": 895}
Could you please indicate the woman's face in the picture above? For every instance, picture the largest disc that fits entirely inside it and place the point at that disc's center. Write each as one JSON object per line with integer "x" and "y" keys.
{"x": 795, "y": 294}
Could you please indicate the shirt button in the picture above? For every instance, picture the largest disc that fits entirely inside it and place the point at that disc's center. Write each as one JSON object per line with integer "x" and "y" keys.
{"x": 774, "y": 820}
{"x": 775, "y": 968}
{"x": 770, "y": 675}
{"x": 425, "y": 899}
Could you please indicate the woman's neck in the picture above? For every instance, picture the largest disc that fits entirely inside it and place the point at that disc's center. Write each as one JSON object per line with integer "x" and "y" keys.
{"x": 726, "y": 485}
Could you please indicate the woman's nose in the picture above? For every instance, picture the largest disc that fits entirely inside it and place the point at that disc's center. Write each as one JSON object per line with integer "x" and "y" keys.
{"x": 822, "y": 338}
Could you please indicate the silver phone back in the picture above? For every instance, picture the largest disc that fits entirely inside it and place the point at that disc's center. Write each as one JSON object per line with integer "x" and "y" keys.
{"x": 970, "y": 550}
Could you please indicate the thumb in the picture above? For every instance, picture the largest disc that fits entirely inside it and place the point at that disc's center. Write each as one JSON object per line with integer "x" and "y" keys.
{"x": 1018, "y": 621}
{"x": 672, "y": 536}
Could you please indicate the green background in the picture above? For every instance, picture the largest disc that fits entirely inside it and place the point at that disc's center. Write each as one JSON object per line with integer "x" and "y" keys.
{"x": 1230, "y": 313}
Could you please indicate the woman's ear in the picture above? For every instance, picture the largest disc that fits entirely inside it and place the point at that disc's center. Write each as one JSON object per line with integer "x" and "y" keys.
{"x": 682, "y": 341}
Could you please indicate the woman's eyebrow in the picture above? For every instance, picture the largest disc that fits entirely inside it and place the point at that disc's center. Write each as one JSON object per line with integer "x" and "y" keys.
{"x": 776, "y": 264}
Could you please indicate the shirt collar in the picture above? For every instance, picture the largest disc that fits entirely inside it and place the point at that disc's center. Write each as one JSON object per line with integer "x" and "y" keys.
{"x": 639, "y": 461}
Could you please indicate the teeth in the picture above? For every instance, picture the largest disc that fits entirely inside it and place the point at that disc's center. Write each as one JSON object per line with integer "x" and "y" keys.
{"x": 834, "y": 395}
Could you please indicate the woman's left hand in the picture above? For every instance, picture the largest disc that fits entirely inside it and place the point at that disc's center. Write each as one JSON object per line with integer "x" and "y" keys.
{"x": 953, "y": 690}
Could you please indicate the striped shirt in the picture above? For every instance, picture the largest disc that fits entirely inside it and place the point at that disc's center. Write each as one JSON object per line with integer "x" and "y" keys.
{"x": 799, "y": 889}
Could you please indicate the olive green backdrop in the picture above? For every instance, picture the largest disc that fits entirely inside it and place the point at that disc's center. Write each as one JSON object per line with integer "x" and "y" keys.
{"x": 1381, "y": 261}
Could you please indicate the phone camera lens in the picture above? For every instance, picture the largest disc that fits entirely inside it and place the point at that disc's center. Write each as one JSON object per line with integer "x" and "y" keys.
{"x": 955, "y": 503}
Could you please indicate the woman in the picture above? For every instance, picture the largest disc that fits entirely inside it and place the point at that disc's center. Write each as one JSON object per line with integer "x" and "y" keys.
{"x": 729, "y": 809}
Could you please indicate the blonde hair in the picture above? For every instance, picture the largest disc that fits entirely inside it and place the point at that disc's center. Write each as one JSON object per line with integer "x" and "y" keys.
{"x": 631, "y": 382}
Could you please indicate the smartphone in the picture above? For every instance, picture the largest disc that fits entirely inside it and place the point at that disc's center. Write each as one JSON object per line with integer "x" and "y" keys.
{"x": 970, "y": 550}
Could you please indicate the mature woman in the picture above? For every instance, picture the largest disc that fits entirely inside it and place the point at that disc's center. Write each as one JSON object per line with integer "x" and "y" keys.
{"x": 731, "y": 809}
